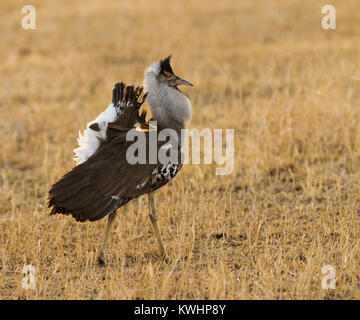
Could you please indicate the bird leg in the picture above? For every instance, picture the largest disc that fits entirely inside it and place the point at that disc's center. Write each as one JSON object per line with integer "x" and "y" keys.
{"x": 154, "y": 219}
{"x": 111, "y": 218}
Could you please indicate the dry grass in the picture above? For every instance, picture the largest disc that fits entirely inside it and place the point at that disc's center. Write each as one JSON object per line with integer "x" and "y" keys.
{"x": 266, "y": 68}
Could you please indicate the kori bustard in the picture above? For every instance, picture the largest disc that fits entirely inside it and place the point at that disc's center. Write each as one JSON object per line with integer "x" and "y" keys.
{"x": 103, "y": 179}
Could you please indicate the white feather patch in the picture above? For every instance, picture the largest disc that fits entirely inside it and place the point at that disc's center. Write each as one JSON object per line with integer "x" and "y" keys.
{"x": 89, "y": 142}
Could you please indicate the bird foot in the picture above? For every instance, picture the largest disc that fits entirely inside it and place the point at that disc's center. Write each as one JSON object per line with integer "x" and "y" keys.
{"x": 101, "y": 259}
{"x": 166, "y": 258}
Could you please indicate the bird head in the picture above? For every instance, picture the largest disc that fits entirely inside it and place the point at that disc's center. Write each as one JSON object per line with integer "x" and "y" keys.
{"x": 169, "y": 106}
{"x": 167, "y": 76}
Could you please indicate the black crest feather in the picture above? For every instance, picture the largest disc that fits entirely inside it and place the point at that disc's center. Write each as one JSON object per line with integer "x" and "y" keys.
{"x": 165, "y": 65}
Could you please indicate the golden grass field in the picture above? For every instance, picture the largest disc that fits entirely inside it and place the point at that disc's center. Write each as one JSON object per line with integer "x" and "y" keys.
{"x": 291, "y": 91}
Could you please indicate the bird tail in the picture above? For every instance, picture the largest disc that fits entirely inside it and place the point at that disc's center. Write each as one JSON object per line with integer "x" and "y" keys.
{"x": 127, "y": 101}
{"x": 74, "y": 193}
{"x": 120, "y": 115}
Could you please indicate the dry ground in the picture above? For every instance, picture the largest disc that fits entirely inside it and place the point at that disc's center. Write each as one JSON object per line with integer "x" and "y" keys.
{"x": 267, "y": 69}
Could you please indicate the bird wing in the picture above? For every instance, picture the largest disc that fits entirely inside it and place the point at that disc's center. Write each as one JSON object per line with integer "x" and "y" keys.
{"x": 106, "y": 180}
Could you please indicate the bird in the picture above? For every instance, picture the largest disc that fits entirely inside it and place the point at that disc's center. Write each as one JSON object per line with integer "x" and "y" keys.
{"x": 103, "y": 180}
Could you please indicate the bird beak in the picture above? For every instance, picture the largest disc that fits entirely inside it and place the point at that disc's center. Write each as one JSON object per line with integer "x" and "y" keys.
{"x": 180, "y": 81}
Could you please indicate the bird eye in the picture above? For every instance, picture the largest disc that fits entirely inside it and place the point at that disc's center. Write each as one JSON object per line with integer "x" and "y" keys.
{"x": 167, "y": 74}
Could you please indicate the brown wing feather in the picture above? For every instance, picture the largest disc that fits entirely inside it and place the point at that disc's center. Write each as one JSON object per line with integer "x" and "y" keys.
{"x": 103, "y": 183}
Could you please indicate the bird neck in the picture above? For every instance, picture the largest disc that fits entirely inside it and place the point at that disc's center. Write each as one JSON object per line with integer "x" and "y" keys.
{"x": 169, "y": 106}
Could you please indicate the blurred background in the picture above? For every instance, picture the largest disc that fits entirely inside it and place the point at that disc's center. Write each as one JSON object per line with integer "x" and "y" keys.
{"x": 267, "y": 68}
